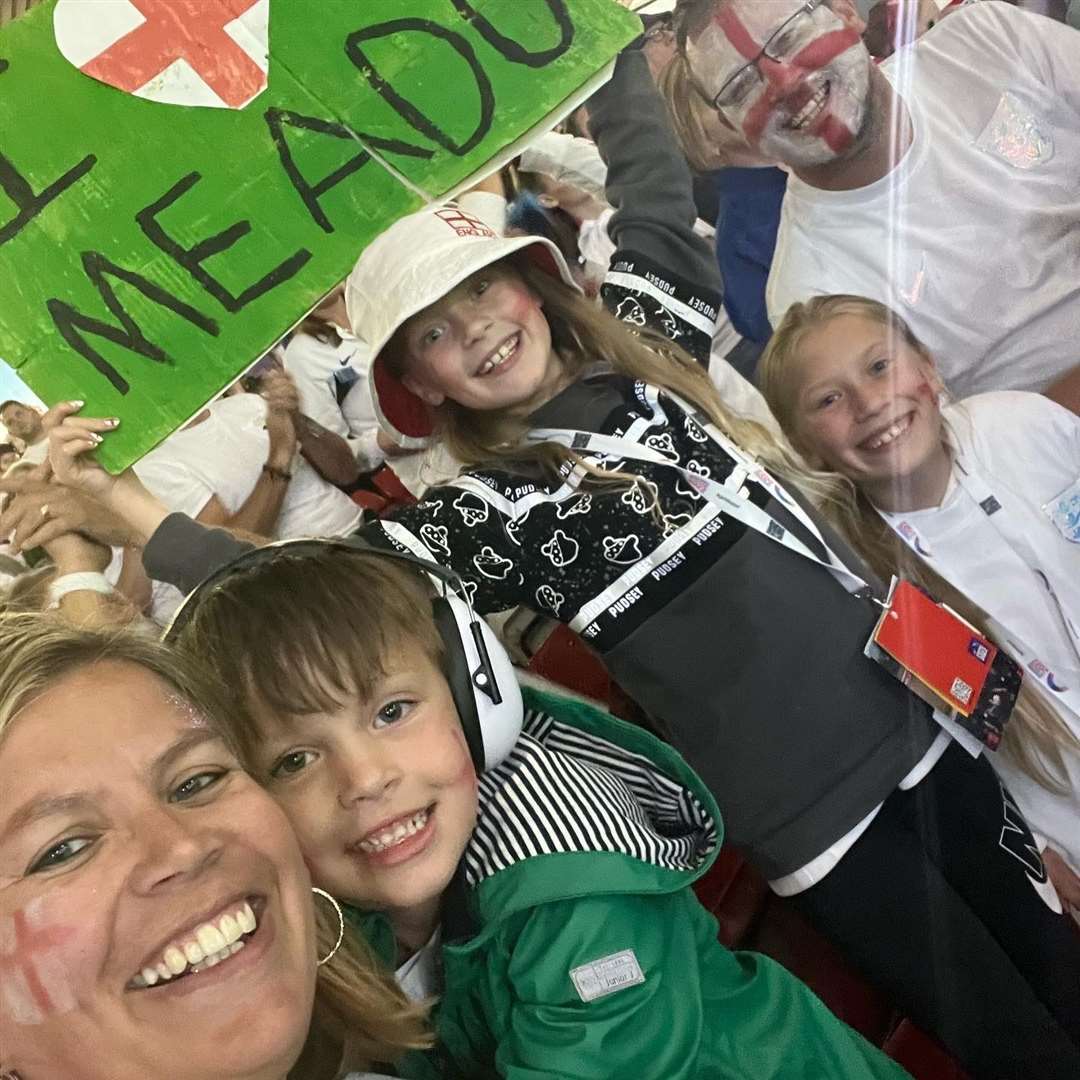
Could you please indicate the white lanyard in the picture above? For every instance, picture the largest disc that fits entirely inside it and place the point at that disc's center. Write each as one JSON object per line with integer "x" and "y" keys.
{"x": 728, "y": 496}
{"x": 969, "y": 478}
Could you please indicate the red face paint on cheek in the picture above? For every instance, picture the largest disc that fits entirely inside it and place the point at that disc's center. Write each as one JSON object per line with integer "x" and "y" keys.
{"x": 34, "y": 979}
{"x": 824, "y": 50}
{"x": 837, "y": 135}
{"x": 757, "y": 117}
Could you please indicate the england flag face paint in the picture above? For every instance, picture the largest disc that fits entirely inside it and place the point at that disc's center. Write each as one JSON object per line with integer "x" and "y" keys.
{"x": 155, "y": 912}
{"x": 805, "y": 103}
{"x": 35, "y": 981}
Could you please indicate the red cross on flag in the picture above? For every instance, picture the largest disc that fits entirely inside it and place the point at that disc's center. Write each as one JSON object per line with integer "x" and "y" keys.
{"x": 208, "y": 53}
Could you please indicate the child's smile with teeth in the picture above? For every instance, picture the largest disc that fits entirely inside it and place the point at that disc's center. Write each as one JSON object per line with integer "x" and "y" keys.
{"x": 500, "y": 356}
{"x": 485, "y": 345}
{"x": 396, "y": 833}
{"x": 893, "y": 431}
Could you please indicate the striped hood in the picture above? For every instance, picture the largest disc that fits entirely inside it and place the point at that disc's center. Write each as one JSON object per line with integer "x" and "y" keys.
{"x": 581, "y": 787}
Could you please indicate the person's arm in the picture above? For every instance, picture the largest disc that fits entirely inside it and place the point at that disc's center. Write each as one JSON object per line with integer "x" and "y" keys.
{"x": 1066, "y": 391}
{"x": 92, "y": 602}
{"x": 143, "y": 518}
{"x": 677, "y": 1003}
{"x": 663, "y": 274}
{"x": 134, "y": 582}
{"x": 567, "y": 159}
{"x": 324, "y": 450}
{"x": 1065, "y": 880}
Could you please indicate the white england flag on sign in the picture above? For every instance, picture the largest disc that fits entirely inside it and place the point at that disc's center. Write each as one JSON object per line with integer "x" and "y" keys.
{"x": 209, "y": 53}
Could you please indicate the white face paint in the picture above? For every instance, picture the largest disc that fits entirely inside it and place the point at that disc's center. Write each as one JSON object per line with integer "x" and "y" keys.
{"x": 34, "y": 979}
{"x": 808, "y": 108}
{"x": 129, "y": 838}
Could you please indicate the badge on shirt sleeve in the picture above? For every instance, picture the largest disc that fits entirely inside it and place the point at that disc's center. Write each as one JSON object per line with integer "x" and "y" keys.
{"x": 608, "y": 975}
{"x": 1064, "y": 511}
{"x": 1016, "y": 135}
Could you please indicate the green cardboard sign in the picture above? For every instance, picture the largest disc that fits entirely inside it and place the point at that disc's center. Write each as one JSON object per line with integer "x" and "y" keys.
{"x": 151, "y": 252}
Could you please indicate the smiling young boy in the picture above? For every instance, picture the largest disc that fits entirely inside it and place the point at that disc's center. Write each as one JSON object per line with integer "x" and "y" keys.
{"x": 547, "y": 901}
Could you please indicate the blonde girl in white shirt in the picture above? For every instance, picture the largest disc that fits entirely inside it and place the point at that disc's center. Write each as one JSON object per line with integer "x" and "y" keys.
{"x": 985, "y": 494}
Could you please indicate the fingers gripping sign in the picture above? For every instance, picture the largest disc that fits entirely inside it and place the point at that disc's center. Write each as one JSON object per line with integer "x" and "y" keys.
{"x": 131, "y": 513}
{"x": 69, "y": 441}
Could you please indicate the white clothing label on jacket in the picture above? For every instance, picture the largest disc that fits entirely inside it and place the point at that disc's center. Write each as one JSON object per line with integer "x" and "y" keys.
{"x": 1064, "y": 511}
{"x": 1014, "y": 134}
{"x": 608, "y": 975}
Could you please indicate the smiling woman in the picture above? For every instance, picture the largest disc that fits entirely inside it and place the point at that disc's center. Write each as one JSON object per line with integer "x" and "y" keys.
{"x": 156, "y": 916}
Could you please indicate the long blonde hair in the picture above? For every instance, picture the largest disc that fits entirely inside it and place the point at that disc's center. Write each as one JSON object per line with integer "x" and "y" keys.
{"x": 1036, "y": 735}
{"x": 707, "y": 139}
{"x": 584, "y": 333}
{"x": 361, "y": 1016}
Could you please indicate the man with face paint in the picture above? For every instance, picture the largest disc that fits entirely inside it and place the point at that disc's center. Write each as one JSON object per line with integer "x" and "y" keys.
{"x": 906, "y": 176}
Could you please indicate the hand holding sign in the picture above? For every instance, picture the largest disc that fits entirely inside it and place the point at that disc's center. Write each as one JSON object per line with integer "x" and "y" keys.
{"x": 173, "y": 245}
{"x": 122, "y": 496}
{"x": 72, "y": 438}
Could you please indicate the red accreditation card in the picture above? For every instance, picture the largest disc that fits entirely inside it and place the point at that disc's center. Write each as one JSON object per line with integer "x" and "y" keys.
{"x": 936, "y": 646}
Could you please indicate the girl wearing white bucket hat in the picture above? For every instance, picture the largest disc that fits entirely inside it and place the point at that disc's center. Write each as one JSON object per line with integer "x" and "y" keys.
{"x": 608, "y": 486}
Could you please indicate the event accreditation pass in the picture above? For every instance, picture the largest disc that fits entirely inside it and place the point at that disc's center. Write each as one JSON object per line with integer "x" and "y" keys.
{"x": 941, "y": 657}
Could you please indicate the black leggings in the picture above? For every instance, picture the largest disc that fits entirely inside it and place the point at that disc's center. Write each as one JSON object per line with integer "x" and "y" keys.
{"x": 937, "y": 904}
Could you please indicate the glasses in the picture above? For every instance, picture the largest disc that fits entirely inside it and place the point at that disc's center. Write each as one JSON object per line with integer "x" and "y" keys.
{"x": 782, "y": 46}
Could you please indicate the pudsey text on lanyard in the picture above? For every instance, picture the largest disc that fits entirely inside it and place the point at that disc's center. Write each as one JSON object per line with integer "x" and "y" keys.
{"x": 969, "y": 478}
{"x": 731, "y": 498}
{"x": 728, "y": 495}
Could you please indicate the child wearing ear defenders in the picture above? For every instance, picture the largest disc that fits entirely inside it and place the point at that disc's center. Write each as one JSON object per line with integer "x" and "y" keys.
{"x": 532, "y": 872}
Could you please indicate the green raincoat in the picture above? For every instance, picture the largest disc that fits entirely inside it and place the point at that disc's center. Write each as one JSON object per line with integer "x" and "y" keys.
{"x": 573, "y": 943}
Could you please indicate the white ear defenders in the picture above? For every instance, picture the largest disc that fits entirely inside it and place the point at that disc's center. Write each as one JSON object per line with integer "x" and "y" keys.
{"x": 479, "y": 672}
{"x": 481, "y": 678}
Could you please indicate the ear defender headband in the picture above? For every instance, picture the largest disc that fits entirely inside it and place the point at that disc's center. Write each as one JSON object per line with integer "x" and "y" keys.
{"x": 479, "y": 672}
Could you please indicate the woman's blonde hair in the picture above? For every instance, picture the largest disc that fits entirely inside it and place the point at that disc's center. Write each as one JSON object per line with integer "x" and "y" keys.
{"x": 360, "y": 1013}
{"x": 1036, "y": 735}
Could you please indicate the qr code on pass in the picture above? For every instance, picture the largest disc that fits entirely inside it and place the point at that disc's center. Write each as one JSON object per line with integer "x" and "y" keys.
{"x": 961, "y": 691}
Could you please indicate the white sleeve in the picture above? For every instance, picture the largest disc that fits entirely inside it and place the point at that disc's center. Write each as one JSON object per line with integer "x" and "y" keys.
{"x": 1046, "y": 49}
{"x": 169, "y": 478}
{"x": 1021, "y": 426}
{"x": 569, "y": 160}
{"x": 359, "y": 412}
{"x": 316, "y": 397}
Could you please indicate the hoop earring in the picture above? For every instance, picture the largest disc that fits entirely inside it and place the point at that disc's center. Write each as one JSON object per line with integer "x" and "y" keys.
{"x": 341, "y": 926}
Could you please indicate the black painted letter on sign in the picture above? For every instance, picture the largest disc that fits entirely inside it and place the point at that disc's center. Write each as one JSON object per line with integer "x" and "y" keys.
{"x": 192, "y": 258}
{"x": 405, "y": 108}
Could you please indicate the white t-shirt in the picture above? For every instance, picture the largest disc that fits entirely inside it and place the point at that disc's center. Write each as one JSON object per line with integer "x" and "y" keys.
{"x": 1026, "y": 450}
{"x": 35, "y": 453}
{"x": 975, "y": 236}
{"x": 321, "y": 370}
{"x": 223, "y": 456}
